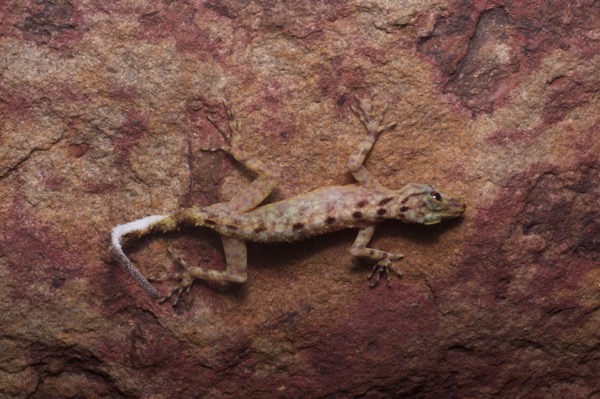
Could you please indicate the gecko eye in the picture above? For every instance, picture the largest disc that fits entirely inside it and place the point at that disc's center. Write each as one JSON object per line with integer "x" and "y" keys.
{"x": 436, "y": 196}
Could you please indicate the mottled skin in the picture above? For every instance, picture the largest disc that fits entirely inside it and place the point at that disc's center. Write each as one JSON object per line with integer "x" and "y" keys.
{"x": 361, "y": 206}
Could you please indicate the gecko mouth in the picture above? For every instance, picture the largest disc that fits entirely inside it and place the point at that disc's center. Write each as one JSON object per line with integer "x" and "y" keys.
{"x": 456, "y": 209}
{"x": 461, "y": 206}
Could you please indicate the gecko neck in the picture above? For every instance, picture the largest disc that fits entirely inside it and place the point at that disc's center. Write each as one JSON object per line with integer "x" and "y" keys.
{"x": 407, "y": 202}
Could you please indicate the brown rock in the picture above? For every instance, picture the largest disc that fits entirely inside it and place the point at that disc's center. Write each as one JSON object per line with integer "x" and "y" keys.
{"x": 103, "y": 111}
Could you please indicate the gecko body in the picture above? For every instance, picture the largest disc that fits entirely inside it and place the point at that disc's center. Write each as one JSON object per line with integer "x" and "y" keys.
{"x": 324, "y": 210}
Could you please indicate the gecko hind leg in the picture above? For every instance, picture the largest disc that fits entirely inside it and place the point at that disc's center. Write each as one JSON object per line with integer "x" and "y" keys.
{"x": 246, "y": 200}
{"x": 235, "y": 271}
{"x": 267, "y": 178}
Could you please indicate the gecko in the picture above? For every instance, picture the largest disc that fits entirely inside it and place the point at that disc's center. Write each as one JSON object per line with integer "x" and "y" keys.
{"x": 361, "y": 205}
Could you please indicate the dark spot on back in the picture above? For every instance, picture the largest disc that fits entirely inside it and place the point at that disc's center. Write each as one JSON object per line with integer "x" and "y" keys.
{"x": 231, "y": 227}
{"x": 381, "y": 211}
{"x": 330, "y": 220}
{"x": 361, "y": 203}
{"x": 260, "y": 229}
{"x": 404, "y": 200}
{"x": 385, "y": 201}
{"x": 357, "y": 215}
{"x": 404, "y": 209}
{"x": 210, "y": 222}
{"x": 298, "y": 226}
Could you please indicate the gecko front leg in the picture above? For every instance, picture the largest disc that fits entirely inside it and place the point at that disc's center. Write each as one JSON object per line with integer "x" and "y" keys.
{"x": 383, "y": 260}
{"x": 374, "y": 128}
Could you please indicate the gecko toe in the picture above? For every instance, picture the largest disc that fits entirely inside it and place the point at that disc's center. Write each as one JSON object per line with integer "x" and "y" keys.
{"x": 384, "y": 268}
{"x": 183, "y": 287}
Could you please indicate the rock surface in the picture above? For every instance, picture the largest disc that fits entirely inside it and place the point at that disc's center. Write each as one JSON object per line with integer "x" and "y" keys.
{"x": 103, "y": 111}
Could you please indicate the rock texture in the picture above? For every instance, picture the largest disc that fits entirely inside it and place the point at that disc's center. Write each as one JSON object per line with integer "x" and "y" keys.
{"x": 103, "y": 111}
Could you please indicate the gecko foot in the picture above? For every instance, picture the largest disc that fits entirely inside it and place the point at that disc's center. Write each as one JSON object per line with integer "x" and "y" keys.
{"x": 384, "y": 267}
{"x": 231, "y": 136}
{"x": 184, "y": 278}
{"x": 374, "y": 125}
{"x": 185, "y": 283}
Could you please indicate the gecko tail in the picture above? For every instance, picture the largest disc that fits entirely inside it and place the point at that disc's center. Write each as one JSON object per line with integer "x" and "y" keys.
{"x": 139, "y": 228}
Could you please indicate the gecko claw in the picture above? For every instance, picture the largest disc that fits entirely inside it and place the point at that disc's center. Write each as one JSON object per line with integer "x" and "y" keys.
{"x": 384, "y": 267}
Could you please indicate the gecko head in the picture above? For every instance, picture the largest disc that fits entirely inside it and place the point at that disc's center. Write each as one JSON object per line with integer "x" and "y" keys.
{"x": 425, "y": 205}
